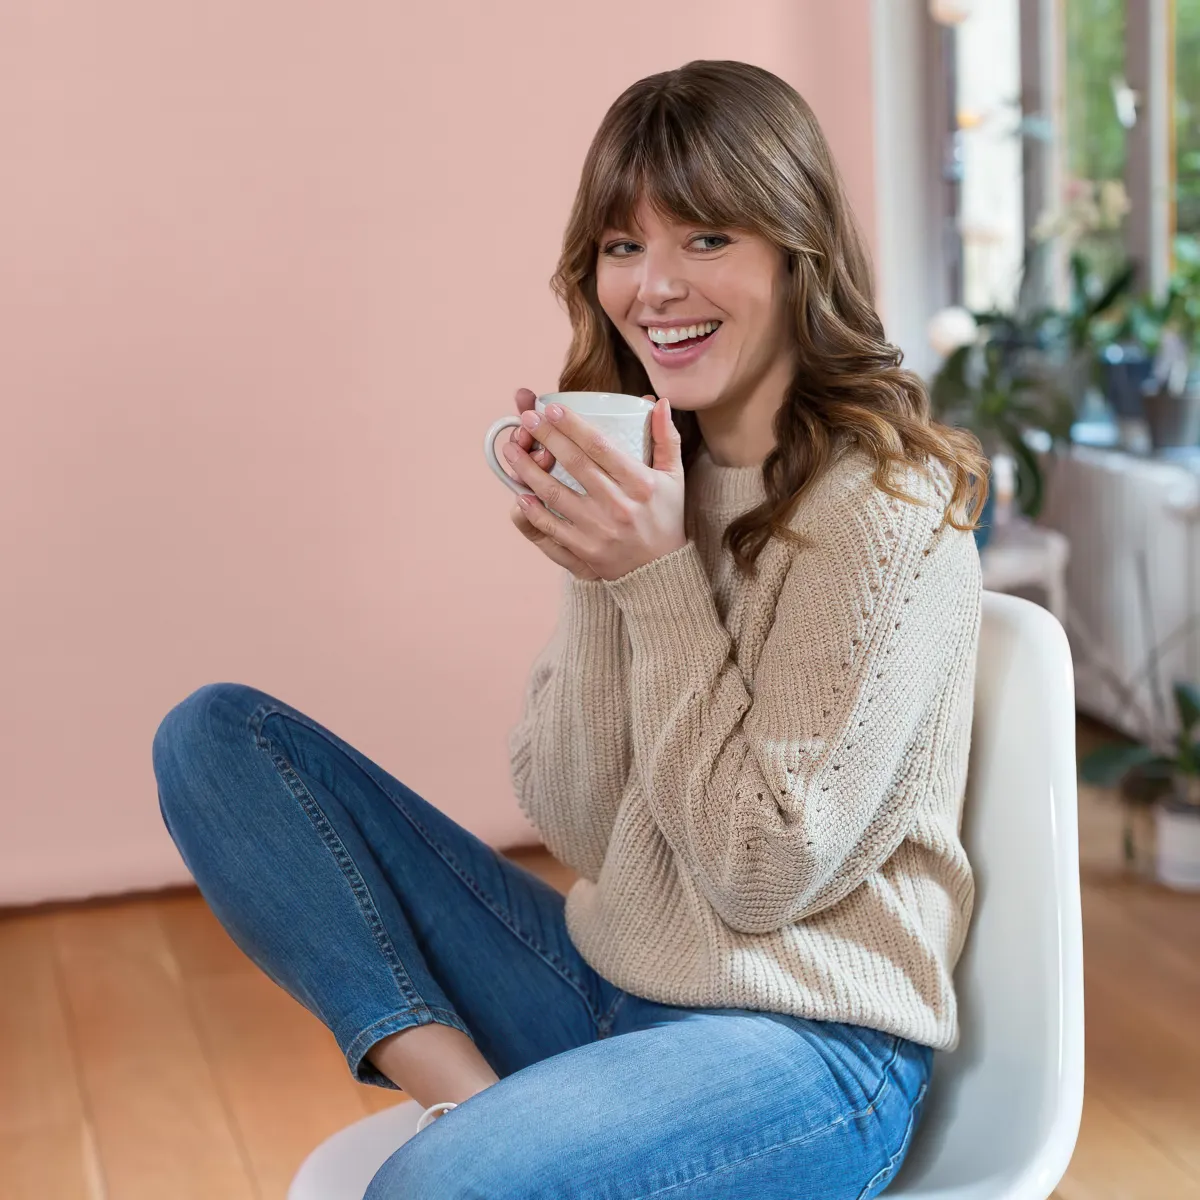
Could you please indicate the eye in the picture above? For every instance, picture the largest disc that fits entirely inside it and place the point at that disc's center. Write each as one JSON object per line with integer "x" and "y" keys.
{"x": 713, "y": 237}
{"x": 612, "y": 247}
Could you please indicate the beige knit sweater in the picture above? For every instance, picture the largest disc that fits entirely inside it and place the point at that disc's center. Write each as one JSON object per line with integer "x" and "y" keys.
{"x": 760, "y": 782}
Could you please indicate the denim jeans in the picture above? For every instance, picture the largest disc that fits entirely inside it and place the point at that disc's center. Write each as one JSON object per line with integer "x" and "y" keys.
{"x": 377, "y": 912}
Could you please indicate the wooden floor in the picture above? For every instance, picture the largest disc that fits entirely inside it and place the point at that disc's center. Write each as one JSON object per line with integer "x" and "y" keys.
{"x": 142, "y": 1056}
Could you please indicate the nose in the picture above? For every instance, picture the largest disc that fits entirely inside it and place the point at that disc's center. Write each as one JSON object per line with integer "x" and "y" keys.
{"x": 660, "y": 279}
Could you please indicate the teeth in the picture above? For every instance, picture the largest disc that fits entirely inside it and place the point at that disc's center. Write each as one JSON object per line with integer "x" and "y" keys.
{"x": 664, "y": 337}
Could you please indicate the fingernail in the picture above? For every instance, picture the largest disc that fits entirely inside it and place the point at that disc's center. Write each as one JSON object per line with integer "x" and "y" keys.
{"x": 530, "y": 419}
{"x": 554, "y": 411}
{"x": 510, "y": 452}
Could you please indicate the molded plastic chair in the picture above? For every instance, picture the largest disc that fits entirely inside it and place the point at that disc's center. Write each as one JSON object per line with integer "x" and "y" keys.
{"x": 1003, "y": 1109}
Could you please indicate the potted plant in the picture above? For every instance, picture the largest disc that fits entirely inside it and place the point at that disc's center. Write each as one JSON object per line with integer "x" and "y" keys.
{"x": 1164, "y": 334}
{"x": 1167, "y": 778}
{"x": 990, "y": 384}
{"x": 1007, "y": 375}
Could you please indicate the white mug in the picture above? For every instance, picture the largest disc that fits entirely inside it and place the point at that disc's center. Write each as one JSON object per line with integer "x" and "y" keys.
{"x": 624, "y": 420}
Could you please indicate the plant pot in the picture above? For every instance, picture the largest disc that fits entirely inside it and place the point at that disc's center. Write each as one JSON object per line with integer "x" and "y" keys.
{"x": 1125, "y": 372}
{"x": 1173, "y": 420}
{"x": 1177, "y": 838}
{"x": 1138, "y": 836}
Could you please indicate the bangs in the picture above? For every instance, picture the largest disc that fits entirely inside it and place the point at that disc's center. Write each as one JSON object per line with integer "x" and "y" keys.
{"x": 673, "y": 164}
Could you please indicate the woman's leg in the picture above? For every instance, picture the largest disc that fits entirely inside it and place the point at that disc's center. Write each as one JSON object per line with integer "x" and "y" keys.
{"x": 374, "y": 909}
{"x": 682, "y": 1104}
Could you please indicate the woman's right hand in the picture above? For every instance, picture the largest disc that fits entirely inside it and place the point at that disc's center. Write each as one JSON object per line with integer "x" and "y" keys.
{"x": 544, "y": 459}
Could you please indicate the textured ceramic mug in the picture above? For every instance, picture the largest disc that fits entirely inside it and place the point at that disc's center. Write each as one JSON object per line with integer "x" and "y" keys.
{"x": 624, "y": 420}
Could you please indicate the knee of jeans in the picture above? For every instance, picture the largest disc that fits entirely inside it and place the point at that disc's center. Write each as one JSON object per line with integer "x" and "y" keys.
{"x": 454, "y": 1162}
{"x": 198, "y": 728}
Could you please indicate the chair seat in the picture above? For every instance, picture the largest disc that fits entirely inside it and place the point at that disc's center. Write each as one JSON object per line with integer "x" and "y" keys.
{"x": 342, "y": 1166}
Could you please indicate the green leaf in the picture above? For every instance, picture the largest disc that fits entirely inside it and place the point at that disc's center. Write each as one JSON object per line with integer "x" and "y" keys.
{"x": 950, "y": 386}
{"x": 1029, "y": 484}
{"x": 1107, "y": 765}
{"x": 1117, "y": 286}
{"x": 1187, "y": 704}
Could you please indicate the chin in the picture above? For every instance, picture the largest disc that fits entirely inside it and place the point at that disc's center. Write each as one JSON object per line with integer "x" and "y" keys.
{"x": 687, "y": 396}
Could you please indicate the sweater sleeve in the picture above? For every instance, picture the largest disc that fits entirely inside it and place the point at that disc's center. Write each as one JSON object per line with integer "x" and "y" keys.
{"x": 782, "y": 798}
{"x": 570, "y": 750}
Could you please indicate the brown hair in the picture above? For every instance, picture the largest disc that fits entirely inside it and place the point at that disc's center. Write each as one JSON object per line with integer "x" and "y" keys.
{"x": 729, "y": 145}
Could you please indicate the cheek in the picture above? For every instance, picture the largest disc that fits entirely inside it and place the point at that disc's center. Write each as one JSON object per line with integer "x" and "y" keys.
{"x": 611, "y": 293}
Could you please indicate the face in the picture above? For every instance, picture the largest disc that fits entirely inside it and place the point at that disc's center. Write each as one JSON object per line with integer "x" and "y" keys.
{"x": 660, "y": 278}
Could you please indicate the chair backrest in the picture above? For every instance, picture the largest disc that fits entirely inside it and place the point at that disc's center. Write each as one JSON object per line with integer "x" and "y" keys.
{"x": 1004, "y": 1107}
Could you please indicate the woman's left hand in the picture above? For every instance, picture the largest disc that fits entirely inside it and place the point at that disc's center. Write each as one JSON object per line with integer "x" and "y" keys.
{"x": 632, "y": 513}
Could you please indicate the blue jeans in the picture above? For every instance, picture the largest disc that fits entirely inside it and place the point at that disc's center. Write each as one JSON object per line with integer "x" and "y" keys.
{"x": 378, "y": 912}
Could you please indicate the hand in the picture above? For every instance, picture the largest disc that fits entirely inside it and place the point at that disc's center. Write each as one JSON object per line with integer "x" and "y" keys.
{"x": 632, "y": 513}
{"x": 544, "y": 459}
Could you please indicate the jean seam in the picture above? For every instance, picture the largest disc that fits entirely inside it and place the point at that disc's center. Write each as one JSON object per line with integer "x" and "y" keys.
{"x": 265, "y": 710}
{"x": 886, "y": 1170}
{"x": 605, "y": 1023}
{"x": 343, "y": 859}
{"x": 394, "y": 1022}
{"x": 497, "y": 910}
{"x": 884, "y": 1083}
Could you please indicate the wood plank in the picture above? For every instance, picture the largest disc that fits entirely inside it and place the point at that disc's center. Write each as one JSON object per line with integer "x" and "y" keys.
{"x": 1149, "y": 1080}
{"x": 1150, "y": 973}
{"x": 51, "y": 1163}
{"x": 38, "y": 1086}
{"x": 286, "y": 1081}
{"x": 1114, "y": 1161}
{"x": 198, "y": 940}
{"x": 161, "y": 1124}
{"x": 376, "y": 1099}
{"x": 46, "y": 1146}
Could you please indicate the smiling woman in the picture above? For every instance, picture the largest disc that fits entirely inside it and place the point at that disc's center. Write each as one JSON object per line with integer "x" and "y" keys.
{"x": 747, "y": 735}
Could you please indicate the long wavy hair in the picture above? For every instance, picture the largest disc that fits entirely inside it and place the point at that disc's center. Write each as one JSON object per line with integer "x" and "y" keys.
{"x": 725, "y": 144}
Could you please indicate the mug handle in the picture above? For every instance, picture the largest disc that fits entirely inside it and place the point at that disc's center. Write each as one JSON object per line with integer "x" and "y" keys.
{"x": 489, "y": 452}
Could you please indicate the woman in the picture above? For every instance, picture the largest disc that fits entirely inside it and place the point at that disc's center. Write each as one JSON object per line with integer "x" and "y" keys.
{"x": 748, "y": 735}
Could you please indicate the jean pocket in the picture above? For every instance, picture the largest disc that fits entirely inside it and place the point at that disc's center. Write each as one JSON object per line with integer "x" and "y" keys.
{"x": 884, "y": 1175}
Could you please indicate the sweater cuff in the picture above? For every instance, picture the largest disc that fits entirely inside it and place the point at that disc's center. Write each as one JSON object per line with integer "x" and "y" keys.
{"x": 668, "y": 605}
{"x": 592, "y": 617}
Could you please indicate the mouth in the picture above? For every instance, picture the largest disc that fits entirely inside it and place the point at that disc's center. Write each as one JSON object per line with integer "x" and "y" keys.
{"x": 684, "y": 352}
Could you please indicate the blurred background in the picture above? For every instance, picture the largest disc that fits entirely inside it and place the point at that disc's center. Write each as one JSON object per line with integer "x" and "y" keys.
{"x": 268, "y": 271}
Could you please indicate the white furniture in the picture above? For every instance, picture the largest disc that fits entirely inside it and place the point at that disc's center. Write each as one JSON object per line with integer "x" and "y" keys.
{"x": 1122, "y": 513}
{"x": 1004, "y": 1108}
{"x": 1019, "y": 554}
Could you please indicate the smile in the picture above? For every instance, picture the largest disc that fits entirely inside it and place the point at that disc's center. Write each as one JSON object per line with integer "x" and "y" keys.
{"x": 680, "y": 347}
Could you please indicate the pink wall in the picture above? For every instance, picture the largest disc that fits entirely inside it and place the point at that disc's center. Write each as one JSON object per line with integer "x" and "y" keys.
{"x": 267, "y": 271}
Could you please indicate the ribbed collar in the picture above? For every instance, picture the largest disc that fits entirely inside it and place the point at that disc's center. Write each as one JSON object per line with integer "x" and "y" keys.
{"x": 713, "y": 488}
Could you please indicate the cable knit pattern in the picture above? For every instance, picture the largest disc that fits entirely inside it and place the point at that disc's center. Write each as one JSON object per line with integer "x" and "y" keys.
{"x": 760, "y": 782}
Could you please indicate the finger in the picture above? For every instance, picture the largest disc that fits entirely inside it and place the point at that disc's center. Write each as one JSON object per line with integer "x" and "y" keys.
{"x": 547, "y": 545}
{"x": 525, "y": 400}
{"x": 561, "y": 532}
{"x": 588, "y": 455}
{"x": 523, "y": 438}
{"x": 553, "y": 492}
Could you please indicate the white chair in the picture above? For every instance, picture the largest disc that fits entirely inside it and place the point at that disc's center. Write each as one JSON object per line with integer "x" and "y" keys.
{"x": 1004, "y": 1108}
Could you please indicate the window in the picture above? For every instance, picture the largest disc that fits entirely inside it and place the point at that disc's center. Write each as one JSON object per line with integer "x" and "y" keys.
{"x": 1187, "y": 117}
{"x": 1100, "y": 111}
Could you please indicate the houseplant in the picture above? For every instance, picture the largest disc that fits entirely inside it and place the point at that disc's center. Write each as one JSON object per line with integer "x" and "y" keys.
{"x": 1166, "y": 777}
{"x": 1165, "y": 333}
{"x": 992, "y": 386}
{"x": 1008, "y": 374}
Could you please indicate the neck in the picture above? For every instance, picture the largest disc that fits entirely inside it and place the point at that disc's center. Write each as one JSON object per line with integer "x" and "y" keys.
{"x": 740, "y": 432}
